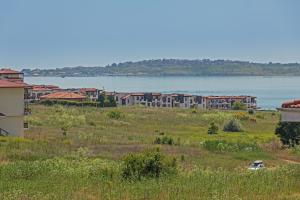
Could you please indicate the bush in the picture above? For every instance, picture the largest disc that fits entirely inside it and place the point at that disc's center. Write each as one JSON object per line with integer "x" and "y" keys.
{"x": 164, "y": 140}
{"x": 239, "y": 106}
{"x": 69, "y": 103}
{"x": 233, "y": 126}
{"x": 251, "y": 111}
{"x": 289, "y": 133}
{"x": 114, "y": 114}
{"x": 212, "y": 129}
{"x": 150, "y": 164}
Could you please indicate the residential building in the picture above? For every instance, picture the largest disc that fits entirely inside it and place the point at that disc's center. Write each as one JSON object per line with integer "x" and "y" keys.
{"x": 40, "y": 90}
{"x": 68, "y": 96}
{"x": 12, "y": 108}
{"x": 11, "y": 75}
{"x": 226, "y": 102}
{"x": 182, "y": 100}
{"x": 290, "y": 111}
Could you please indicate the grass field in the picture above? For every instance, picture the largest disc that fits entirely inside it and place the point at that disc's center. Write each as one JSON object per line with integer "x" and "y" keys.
{"x": 86, "y": 161}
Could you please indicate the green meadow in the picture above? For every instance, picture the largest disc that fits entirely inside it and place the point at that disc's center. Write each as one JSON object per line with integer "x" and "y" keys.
{"x": 78, "y": 153}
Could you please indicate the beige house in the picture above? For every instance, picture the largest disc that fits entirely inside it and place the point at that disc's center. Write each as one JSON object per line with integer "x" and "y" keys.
{"x": 290, "y": 111}
{"x": 12, "y": 108}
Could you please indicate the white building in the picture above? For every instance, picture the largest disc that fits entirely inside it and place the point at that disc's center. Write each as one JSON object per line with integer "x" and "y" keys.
{"x": 290, "y": 111}
{"x": 12, "y": 108}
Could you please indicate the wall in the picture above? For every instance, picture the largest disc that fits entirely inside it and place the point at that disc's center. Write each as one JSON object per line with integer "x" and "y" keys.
{"x": 12, "y": 101}
{"x": 290, "y": 115}
{"x": 14, "y": 125}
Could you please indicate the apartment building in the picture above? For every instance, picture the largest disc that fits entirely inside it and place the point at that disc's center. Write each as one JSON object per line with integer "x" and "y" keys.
{"x": 36, "y": 91}
{"x": 182, "y": 100}
{"x": 11, "y": 75}
{"x": 226, "y": 102}
{"x": 12, "y": 108}
{"x": 290, "y": 111}
{"x": 92, "y": 94}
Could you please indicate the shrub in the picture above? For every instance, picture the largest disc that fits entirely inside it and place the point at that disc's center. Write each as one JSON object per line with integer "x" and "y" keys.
{"x": 114, "y": 114}
{"x": 289, "y": 133}
{"x": 251, "y": 111}
{"x": 233, "y": 126}
{"x": 212, "y": 129}
{"x": 241, "y": 116}
{"x": 164, "y": 140}
{"x": 149, "y": 164}
{"x": 69, "y": 103}
{"x": 239, "y": 106}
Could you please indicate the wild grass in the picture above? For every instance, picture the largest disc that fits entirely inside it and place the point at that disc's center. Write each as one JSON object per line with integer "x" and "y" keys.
{"x": 87, "y": 162}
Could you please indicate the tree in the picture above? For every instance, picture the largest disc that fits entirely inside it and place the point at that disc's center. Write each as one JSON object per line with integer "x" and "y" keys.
{"x": 212, "y": 129}
{"x": 239, "y": 106}
{"x": 289, "y": 133}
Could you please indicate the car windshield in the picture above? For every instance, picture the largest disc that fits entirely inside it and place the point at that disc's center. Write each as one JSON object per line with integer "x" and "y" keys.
{"x": 256, "y": 164}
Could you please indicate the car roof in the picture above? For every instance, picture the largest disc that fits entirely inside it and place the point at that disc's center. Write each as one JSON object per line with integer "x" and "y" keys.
{"x": 258, "y": 161}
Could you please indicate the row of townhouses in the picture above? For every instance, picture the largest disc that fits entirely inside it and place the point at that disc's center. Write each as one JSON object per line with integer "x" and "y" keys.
{"x": 38, "y": 92}
{"x": 182, "y": 100}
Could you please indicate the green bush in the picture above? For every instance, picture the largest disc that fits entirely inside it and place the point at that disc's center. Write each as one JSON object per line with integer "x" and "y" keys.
{"x": 239, "y": 106}
{"x": 69, "y": 103}
{"x": 233, "y": 126}
{"x": 212, "y": 129}
{"x": 114, "y": 114}
{"x": 251, "y": 111}
{"x": 289, "y": 133}
{"x": 164, "y": 140}
{"x": 149, "y": 164}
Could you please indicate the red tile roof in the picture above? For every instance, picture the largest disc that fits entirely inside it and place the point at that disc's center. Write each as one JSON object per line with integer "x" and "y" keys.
{"x": 63, "y": 95}
{"x": 9, "y": 84}
{"x": 9, "y": 71}
{"x": 82, "y": 90}
{"x": 291, "y": 104}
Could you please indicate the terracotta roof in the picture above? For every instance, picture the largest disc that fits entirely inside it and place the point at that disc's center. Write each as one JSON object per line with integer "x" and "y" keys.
{"x": 41, "y": 89}
{"x": 291, "y": 104}
{"x": 63, "y": 95}
{"x": 87, "y": 90}
{"x": 227, "y": 97}
{"x": 9, "y": 71}
{"x": 9, "y": 84}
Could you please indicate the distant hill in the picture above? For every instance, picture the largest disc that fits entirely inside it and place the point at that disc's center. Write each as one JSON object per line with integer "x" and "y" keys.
{"x": 176, "y": 67}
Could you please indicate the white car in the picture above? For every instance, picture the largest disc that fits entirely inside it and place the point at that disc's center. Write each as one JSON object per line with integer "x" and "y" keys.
{"x": 256, "y": 165}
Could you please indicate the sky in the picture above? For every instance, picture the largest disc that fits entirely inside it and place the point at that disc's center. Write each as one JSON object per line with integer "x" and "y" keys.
{"x": 62, "y": 33}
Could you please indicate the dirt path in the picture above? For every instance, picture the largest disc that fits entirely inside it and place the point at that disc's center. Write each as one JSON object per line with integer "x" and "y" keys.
{"x": 291, "y": 161}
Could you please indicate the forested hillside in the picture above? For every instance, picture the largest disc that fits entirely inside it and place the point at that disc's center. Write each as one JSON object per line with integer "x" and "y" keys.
{"x": 176, "y": 67}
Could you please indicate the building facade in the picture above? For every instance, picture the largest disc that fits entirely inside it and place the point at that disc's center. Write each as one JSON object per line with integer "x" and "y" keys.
{"x": 290, "y": 111}
{"x": 12, "y": 108}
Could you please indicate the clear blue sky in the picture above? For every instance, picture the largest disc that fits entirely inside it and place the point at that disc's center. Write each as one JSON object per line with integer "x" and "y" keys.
{"x": 58, "y": 33}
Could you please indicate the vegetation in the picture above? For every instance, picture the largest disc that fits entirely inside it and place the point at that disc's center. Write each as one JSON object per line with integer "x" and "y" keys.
{"x": 149, "y": 164}
{"x": 239, "y": 106}
{"x": 175, "y": 67}
{"x": 233, "y": 126}
{"x": 212, "y": 129}
{"x": 289, "y": 133}
{"x": 116, "y": 158}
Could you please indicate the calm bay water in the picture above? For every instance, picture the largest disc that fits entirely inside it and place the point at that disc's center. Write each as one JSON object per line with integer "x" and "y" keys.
{"x": 271, "y": 91}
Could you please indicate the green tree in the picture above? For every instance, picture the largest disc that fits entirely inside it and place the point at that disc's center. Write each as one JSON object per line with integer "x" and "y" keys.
{"x": 212, "y": 129}
{"x": 289, "y": 133}
{"x": 239, "y": 106}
